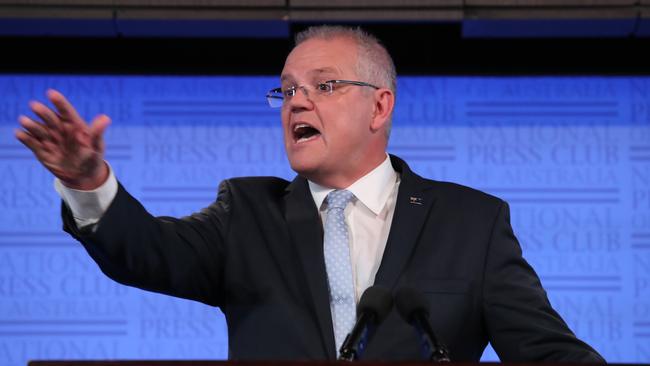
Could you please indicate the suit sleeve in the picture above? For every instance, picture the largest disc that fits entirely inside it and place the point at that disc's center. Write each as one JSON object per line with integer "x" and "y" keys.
{"x": 179, "y": 257}
{"x": 521, "y": 323}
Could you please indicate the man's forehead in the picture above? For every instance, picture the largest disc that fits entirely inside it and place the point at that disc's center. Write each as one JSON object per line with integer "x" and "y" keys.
{"x": 327, "y": 70}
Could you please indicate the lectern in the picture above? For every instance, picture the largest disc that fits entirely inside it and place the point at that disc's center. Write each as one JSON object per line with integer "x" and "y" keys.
{"x": 288, "y": 363}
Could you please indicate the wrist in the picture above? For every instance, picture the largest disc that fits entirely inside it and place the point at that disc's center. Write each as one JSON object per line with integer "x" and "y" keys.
{"x": 89, "y": 183}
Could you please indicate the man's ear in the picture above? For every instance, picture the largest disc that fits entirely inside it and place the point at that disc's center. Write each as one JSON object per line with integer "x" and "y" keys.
{"x": 384, "y": 103}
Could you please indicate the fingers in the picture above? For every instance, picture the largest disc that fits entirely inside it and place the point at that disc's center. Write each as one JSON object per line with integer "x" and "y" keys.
{"x": 45, "y": 114}
{"x": 28, "y": 140}
{"x": 36, "y": 137}
{"x": 40, "y": 149}
{"x": 65, "y": 126}
{"x": 67, "y": 112}
{"x": 31, "y": 142}
{"x": 36, "y": 130}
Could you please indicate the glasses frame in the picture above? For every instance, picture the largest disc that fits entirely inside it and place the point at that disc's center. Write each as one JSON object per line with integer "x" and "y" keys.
{"x": 276, "y": 97}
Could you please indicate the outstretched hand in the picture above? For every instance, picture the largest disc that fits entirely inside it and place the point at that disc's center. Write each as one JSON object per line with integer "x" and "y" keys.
{"x": 65, "y": 144}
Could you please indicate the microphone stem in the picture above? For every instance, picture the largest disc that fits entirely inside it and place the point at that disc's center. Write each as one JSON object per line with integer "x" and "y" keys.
{"x": 433, "y": 350}
{"x": 354, "y": 343}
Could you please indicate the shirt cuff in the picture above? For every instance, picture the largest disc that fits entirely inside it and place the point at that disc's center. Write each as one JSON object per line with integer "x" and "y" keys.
{"x": 88, "y": 207}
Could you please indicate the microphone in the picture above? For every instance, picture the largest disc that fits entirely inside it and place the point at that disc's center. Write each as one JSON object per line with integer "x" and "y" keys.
{"x": 374, "y": 305}
{"x": 413, "y": 307}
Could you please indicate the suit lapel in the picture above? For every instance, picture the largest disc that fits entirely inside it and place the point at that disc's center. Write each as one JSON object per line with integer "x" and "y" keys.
{"x": 306, "y": 230}
{"x": 414, "y": 201}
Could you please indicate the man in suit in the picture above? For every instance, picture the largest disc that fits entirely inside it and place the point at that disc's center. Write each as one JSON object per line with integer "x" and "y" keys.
{"x": 283, "y": 261}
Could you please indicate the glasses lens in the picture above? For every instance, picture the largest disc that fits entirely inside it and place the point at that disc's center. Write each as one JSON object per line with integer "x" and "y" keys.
{"x": 275, "y": 98}
{"x": 325, "y": 88}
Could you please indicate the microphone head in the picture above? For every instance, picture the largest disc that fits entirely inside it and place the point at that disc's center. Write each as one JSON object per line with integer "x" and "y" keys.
{"x": 410, "y": 301}
{"x": 377, "y": 301}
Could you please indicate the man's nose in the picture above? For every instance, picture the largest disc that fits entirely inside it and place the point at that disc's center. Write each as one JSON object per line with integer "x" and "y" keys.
{"x": 301, "y": 100}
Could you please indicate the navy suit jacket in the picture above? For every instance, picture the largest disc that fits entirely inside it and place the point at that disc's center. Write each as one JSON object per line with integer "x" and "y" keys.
{"x": 257, "y": 253}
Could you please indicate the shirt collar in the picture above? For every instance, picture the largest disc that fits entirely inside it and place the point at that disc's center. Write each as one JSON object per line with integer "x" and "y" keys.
{"x": 373, "y": 189}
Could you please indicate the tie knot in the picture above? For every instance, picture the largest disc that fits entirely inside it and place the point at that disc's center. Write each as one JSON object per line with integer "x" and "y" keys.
{"x": 338, "y": 199}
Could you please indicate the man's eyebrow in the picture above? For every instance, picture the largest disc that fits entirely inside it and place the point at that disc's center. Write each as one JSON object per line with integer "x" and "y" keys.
{"x": 285, "y": 77}
{"x": 325, "y": 70}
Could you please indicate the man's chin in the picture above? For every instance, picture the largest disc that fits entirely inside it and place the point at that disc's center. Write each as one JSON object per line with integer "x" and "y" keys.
{"x": 306, "y": 165}
{"x": 305, "y": 169}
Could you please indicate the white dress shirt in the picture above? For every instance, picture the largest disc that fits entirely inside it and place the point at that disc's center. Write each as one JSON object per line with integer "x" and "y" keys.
{"x": 88, "y": 206}
{"x": 369, "y": 215}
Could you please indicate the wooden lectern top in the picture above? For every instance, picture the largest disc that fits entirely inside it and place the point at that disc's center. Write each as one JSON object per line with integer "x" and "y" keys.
{"x": 288, "y": 363}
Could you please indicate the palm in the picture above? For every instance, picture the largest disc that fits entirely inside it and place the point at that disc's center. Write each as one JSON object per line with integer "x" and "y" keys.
{"x": 74, "y": 155}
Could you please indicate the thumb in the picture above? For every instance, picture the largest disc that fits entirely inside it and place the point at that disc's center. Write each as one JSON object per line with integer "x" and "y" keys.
{"x": 97, "y": 128}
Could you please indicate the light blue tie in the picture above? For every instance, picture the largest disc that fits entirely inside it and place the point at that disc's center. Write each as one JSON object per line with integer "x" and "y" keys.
{"x": 339, "y": 268}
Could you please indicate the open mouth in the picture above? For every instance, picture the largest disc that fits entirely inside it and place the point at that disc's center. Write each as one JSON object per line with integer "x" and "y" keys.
{"x": 303, "y": 132}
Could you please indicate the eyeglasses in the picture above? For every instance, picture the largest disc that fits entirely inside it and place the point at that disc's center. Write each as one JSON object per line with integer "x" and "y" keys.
{"x": 276, "y": 97}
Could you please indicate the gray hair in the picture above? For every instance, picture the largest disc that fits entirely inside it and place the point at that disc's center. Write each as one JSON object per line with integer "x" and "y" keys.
{"x": 374, "y": 63}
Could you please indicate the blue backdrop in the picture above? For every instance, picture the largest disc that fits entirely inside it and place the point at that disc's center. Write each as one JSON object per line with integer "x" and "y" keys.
{"x": 571, "y": 155}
